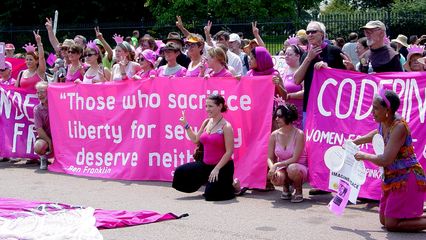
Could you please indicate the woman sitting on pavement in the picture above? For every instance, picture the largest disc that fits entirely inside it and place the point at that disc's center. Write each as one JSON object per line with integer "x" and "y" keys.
{"x": 287, "y": 159}
{"x": 217, "y": 168}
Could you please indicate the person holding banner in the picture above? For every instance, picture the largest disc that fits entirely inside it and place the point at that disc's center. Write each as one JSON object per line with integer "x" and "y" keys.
{"x": 287, "y": 160}
{"x": 195, "y": 45}
{"x": 96, "y": 72}
{"x": 216, "y": 61}
{"x": 126, "y": 67}
{"x": 6, "y": 74}
{"x": 43, "y": 145}
{"x": 146, "y": 61}
{"x": 285, "y": 85}
{"x": 75, "y": 70}
{"x": 217, "y": 168}
{"x": 36, "y": 65}
{"x": 172, "y": 69}
{"x": 404, "y": 181}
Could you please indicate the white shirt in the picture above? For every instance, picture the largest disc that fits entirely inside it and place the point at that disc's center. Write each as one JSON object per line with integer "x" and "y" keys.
{"x": 235, "y": 62}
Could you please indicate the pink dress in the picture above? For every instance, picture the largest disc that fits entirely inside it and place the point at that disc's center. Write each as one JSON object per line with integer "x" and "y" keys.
{"x": 292, "y": 87}
{"x": 214, "y": 147}
{"x": 30, "y": 82}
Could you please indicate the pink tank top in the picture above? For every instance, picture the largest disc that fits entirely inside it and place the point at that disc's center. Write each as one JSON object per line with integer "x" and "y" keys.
{"x": 73, "y": 77}
{"x": 214, "y": 147}
{"x": 283, "y": 154}
{"x": 292, "y": 87}
{"x": 30, "y": 82}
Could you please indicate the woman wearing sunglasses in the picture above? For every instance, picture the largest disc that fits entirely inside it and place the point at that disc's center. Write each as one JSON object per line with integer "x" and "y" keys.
{"x": 195, "y": 46}
{"x": 75, "y": 70}
{"x": 146, "y": 61}
{"x": 96, "y": 72}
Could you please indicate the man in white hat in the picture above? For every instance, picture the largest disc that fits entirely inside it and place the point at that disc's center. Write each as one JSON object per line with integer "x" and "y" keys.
{"x": 381, "y": 56}
{"x": 402, "y": 45}
{"x": 235, "y": 47}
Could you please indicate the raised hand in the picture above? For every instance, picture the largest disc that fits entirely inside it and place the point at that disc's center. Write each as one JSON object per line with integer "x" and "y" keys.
{"x": 98, "y": 33}
{"x": 254, "y": 28}
{"x": 179, "y": 22}
{"x": 37, "y": 37}
{"x": 208, "y": 27}
{"x": 48, "y": 24}
{"x": 347, "y": 62}
{"x": 182, "y": 119}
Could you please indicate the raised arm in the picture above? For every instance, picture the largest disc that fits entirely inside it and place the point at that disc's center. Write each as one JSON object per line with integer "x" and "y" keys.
{"x": 41, "y": 61}
{"x": 207, "y": 29}
{"x": 193, "y": 136}
{"x": 107, "y": 47}
{"x": 52, "y": 38}
{"x": 256, "y": 34}
{"x": 179, "y": 24}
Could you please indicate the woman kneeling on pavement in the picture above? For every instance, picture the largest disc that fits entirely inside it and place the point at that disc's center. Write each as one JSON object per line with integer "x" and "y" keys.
{"x": 217, "y": 168}
{"x": 287, "y": 159}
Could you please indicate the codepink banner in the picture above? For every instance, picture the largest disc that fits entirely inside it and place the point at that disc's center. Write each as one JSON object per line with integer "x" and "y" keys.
{"x": 340, "y": 107}
{"x": 131, "y": 130}
{"x": 17, "y": 122}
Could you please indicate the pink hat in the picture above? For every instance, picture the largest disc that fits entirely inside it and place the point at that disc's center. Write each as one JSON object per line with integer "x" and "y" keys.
{"x": 149, "y": 56}
{"x": 9, "y": 46}
{"x": 7, "y": 65}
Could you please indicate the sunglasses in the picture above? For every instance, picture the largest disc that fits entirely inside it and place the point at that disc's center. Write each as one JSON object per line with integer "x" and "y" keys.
{"x": 90, "y": 54}
{"x": 2, "y": 70}
{"x": 309, "y": 32}
{"x": 73, "y": 52}
{"x": 190, "y": 45}
{"x": 64, "y": 48}
{"x": 141, "y": 59}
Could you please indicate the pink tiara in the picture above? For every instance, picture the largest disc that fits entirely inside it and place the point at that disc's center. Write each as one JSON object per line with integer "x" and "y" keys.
{"x": 29, "y": 47}
{"x": 92, "y": 45}
{"x": 416, "y": 49}
{"x": 386, "y": 40}
{"x": 117, "y": 38}
{"x": 292, "y": 40}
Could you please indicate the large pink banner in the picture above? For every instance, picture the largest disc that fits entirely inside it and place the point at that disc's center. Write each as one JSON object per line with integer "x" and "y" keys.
{"x": 17, "y": 122}
{"x": 131, "y": 130}
{"x": 340, "y": 108}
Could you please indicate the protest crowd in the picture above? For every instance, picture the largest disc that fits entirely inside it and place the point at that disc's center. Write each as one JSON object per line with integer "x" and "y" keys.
{"x": 224, "y": 54}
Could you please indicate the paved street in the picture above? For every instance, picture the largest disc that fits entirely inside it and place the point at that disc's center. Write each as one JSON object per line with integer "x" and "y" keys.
{"x": 256, "y": 215}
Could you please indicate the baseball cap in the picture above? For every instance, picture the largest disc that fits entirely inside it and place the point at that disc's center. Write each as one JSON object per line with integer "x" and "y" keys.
{"x": 234, "y": 37}
{"x": 9, "y": 46}
{"x": 374, "y": 24}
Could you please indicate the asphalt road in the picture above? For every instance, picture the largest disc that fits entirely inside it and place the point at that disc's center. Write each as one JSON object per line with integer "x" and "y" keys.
{"x": 256, "y": 215}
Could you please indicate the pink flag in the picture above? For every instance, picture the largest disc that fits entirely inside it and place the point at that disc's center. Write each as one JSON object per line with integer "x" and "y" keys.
{"x": 51, "y": 59}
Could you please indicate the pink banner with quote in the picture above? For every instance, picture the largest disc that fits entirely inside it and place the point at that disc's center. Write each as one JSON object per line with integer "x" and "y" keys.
{"x": 339, "y": 108}
{"x": 131, "y": 130}
{"x": 17, "y": 122}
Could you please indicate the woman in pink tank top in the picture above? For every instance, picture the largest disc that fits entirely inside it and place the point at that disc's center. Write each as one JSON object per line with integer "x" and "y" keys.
{"x": 36, "y": 65}
{"x": 217, "y": 64}
{"x": 75, "y": 71}
{"x": 287, "y": 160}
{"x": 217, "y": 168}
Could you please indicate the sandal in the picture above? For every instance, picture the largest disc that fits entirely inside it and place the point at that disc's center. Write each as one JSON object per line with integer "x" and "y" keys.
{"x": 285, "y": 196}
{"x": 241, "y": 192}
{"x": 297, "y": 198}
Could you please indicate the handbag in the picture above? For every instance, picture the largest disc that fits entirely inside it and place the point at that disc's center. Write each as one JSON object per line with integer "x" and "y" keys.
{"x": 198, "y": 153}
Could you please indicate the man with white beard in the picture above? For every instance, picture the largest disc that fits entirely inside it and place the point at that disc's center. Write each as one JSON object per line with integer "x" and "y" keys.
{"x": 381, "y": 56}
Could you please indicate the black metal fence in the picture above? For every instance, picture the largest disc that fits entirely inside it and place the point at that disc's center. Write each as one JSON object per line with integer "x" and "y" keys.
{"x": 273, "y": 31}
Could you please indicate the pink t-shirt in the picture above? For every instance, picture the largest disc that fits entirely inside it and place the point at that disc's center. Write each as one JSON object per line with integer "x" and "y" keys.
{"x": 177, "y": 71}
{"x": 146, "y": 74}
{"x": 222, "y": 73}
{"x": 214, "y": 147}
{"x": 193, "y": 71}
{"x": 10, "y": 81}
